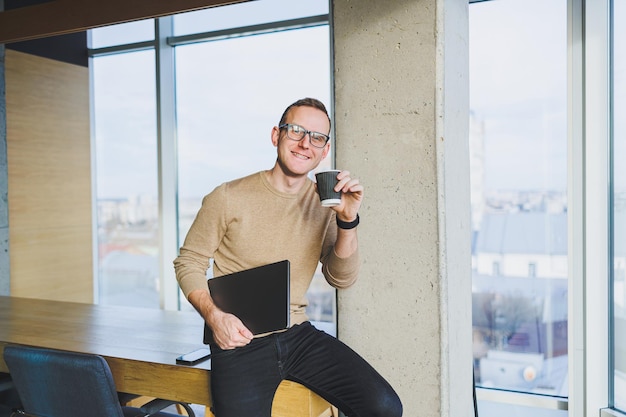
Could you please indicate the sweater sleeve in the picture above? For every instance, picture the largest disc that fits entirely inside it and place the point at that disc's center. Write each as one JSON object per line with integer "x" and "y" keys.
{"x": 201, "y": 242}
{"x": 339, "y": 272}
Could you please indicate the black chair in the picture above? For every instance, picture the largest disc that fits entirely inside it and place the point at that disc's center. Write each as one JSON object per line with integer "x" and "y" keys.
{"x": 9, "y": 400}
{"x": 55, "y": 383}
{"x": 5, "y": 410}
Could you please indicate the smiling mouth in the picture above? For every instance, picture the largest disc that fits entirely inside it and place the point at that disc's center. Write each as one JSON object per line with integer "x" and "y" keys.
{"x": 300, "y": 156}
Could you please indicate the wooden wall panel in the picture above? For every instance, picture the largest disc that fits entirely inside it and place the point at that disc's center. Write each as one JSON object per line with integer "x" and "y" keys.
{"x": 48, "y": 150}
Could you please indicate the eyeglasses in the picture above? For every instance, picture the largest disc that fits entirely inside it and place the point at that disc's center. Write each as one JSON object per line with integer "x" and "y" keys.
{"x": 297, "y": 133}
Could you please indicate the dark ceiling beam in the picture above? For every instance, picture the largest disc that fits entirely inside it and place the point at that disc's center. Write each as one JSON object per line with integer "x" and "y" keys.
{"x": 59, "y": 17}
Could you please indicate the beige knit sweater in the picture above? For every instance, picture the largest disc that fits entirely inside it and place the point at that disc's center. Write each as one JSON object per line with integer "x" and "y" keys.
{"x": 246, "y": 223}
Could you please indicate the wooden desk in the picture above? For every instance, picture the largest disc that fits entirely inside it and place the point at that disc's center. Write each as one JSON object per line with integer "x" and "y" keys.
{"x": 140, "y": 345}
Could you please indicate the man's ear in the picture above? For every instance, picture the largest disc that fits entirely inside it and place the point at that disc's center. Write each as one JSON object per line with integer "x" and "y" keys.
{"x": 326, "y": 150}
{"x": 275, "y": 135}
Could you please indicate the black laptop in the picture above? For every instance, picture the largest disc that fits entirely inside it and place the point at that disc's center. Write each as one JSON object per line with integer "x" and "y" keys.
{"x": 258, "y": 296}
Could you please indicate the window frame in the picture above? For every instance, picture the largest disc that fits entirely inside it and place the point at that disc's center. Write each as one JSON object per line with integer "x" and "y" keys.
{"x": 164, "y": 45}
{"x": 589, "y": 222}
{"x": 589, "y": 118}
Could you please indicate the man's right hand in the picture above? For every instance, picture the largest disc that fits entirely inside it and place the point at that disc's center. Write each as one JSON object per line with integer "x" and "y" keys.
{"x": 228, "y": 331}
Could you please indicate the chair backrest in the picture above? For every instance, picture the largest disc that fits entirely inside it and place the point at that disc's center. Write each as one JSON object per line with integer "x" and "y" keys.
{"x": 54, "y": 383}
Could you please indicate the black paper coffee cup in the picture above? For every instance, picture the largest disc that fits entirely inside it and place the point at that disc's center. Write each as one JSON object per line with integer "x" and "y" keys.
{"x": 326, "y": 181}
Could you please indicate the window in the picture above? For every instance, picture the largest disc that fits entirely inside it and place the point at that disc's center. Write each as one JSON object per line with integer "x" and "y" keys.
{"x": 125, "y": 33}
{"x": 518, "y": 147}
{"x": 225, "y": 113}
{"x": 221, "y": 82}
{"x": 126, "y": 178}
{"x": 248, "y": 14}
{"x": 495, "y": 269}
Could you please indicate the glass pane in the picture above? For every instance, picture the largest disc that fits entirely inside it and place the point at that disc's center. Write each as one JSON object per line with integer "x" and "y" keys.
{"x": 619, "y": 201}
{"x": 126, "y": 161}
{"x": 246, "y": 14}
{"x": 518, "y": 150}
{"x": 122, "y": 34}
{"x": 229, "y": 96}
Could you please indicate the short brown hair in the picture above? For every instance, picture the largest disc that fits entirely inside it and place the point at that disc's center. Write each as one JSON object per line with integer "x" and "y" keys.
{"x": 307, "y": 102}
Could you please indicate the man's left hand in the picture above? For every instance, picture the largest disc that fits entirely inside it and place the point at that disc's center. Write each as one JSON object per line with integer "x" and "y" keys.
{"x": 351, "y": 196}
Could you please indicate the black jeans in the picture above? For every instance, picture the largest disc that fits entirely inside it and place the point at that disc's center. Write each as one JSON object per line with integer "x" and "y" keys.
{"x": 244, "y": 380}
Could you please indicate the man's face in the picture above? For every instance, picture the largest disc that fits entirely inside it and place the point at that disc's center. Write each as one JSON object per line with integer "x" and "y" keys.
{"x": 298, "y": 158}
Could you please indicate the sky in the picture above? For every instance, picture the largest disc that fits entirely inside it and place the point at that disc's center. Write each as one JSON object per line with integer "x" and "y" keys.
{"x": 230, "y": 94}
{"x": 517, "y": 89}
{"x": 619, "y": 74}
{"x": 518, "y": 76}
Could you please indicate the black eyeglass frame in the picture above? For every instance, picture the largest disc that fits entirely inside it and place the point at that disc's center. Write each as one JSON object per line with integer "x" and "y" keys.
{"x": 306, "y": 132}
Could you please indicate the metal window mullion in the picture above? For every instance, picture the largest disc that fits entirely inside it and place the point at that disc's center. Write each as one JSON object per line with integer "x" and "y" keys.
{"x": 591, "y": 367}
{"x": 94, "y": 189}
{"x": 576, "y": 207}
{"x": 522, "y": 399}
{"x": 129, "y": 47}
{"x": 167, "y": 163}
{"x": 230, "y": 33}
{"x": 238, "y": 32}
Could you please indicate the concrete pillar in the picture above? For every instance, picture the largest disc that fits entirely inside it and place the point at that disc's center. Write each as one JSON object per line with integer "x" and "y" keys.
{"x": 401, "y": 125}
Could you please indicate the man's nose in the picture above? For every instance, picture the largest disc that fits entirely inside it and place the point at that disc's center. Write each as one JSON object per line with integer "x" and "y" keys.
{"x": 305, "y": 141}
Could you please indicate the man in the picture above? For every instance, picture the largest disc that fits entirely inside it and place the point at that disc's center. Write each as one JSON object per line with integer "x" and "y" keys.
{"x": 264, "y": 218}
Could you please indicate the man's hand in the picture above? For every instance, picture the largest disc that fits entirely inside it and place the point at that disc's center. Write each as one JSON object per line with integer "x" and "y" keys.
{"x": 228, "y": 331}
{"x": 351, "y": 196}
